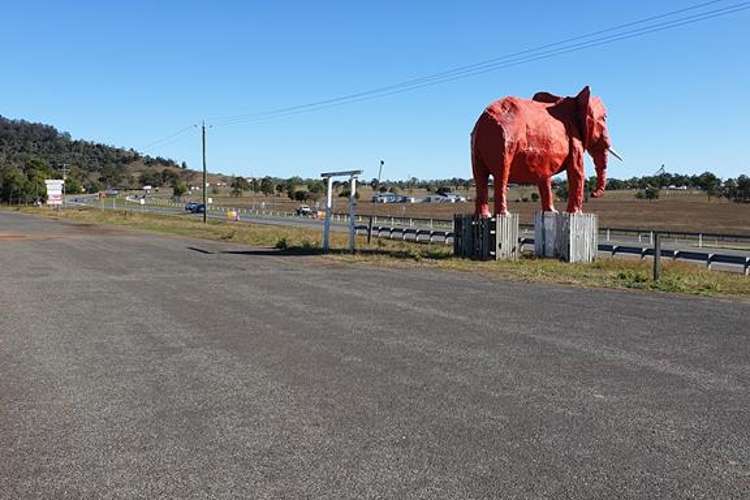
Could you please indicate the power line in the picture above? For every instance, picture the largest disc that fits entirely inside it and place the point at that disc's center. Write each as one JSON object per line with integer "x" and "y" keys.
{"x": 500, "y": 62}
{"x": 153, "y": 144}
{"x": 462, "y": 68}
{"x": 174, "y": 140}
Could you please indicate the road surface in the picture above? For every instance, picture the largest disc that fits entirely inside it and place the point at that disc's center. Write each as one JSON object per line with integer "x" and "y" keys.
{"x": 139, "y": 366}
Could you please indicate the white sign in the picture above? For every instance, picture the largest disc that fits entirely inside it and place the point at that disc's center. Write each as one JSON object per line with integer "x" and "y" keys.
{"x": 54, "y": 191}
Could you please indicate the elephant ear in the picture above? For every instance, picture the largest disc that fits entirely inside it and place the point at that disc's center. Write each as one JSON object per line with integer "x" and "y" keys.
{"x": 586, "y": 120}
{"x": 546, "y": 97}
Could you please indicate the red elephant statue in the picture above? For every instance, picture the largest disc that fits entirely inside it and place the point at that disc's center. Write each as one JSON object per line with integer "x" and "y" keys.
{"x": 528, "y": 141}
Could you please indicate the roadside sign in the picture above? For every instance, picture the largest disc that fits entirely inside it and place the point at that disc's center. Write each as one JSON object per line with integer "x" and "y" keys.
{"x": 54, "y": 191}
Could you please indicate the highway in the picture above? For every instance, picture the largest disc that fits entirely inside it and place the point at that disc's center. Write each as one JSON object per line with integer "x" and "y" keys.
{"x": 140, "y": 366}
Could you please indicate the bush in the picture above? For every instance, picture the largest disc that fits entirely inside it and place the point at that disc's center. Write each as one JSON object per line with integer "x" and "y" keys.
{"x": 282, "y": 244}
{"x": 534, "y": 197}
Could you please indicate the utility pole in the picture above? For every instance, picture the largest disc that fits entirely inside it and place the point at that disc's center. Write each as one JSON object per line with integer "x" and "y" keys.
{"x": 380, "y": 172}
{"x": 65, "y": 177}
{"x": 205, "y": 183}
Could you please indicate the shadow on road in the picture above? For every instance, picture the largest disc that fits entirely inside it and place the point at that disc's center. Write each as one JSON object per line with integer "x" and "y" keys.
{"x": 306, "y": 252}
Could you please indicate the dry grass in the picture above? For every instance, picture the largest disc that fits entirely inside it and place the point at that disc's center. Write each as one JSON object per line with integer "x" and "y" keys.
{"x": 607, "y": 272}
{"x": 675, "y": 210}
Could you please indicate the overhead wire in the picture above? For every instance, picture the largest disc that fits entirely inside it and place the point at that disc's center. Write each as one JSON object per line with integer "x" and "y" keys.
{"x": 167, "y": 138}
{"x": 498, "y": 63}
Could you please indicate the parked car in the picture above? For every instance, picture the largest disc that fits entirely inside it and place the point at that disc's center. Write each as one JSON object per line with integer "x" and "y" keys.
{"x": 304, "y": 211}
{"x": 437, "y": 198}
{"x": 407, "y": 199}
{"x": 386, "y": 198}
{"x": 455, "y": 197}
{"x": 190, "y": 206}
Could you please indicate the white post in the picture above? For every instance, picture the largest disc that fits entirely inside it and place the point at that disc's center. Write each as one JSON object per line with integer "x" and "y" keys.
{"x": 327, "y": 222}
{"x": 352, "y": 212}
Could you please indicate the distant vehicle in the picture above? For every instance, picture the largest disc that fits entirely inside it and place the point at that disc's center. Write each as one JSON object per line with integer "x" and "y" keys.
{"x": 304, "y": 211}
{"x": 455, "y": 197}
{"x": 386, "y": 198}
{"x": 437, "y": 198}
{"x": 195, "y": 208}
{"x": 407, "y": 199}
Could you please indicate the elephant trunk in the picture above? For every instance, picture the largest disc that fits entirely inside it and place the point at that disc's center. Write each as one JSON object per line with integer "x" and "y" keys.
{"x": 600, "y": 162}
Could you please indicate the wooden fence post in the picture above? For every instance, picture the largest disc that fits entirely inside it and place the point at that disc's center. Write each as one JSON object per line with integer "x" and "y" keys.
{"x": 657, "y": 256}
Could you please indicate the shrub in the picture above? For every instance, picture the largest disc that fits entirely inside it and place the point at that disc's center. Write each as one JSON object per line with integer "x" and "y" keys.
{"x": 282, "y": 243}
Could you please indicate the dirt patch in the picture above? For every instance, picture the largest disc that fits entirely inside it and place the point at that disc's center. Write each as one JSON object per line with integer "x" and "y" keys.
{"x": 12, "y": 237}
{"x": 27, "y": 237}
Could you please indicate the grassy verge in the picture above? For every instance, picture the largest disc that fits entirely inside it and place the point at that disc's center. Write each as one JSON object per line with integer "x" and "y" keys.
{"x": 607, "y": 272}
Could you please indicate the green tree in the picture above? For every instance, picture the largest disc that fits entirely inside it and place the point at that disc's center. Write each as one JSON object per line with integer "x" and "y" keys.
{"x": 317, "y": 187}
{"x": 179, "y": 188}
{"x": 150, "y": 178}
{"x": 709, "y": 183}
{"x": 13, "y": 185}
{"x": 267, "y": 186}
{"x": 561, "y": 190}
{"x": 239, "y": 184}
{"x": 651, "y": 193}
{"x": 72, "y": 185}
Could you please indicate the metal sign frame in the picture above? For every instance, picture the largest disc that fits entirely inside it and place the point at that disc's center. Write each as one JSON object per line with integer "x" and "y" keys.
{"x": 328, "y": 177}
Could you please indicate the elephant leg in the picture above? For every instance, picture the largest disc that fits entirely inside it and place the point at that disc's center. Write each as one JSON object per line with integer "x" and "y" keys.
{"x": 501, "y": 188}
{"x": 481, "y": 178}
{"x": 576, "y": 181}
{"x": 545, "y": 192}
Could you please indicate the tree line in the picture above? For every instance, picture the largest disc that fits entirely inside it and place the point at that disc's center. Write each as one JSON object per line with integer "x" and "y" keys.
{"x": 646, "y": 187}
{"x": 32, "y": 152}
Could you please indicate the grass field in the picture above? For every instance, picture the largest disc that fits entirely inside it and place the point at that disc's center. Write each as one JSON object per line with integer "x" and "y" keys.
{"x": 606, "y": 272}
{"x": 675, "y": 210}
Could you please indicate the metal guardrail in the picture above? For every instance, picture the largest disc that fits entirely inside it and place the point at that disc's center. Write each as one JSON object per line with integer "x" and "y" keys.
{"x": 430, "y": 235}
{"x": 446, "y": 237}
{"x": 697, "y": 239}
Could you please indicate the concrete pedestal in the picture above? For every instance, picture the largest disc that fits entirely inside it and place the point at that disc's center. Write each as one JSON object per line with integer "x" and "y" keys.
{"x": 507, "y": 246}
{"x": 486, "y": 238}
{"x": 568, "y": 237}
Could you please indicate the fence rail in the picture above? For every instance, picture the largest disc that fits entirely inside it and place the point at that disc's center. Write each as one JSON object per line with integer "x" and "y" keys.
{"x": 447, "y": 237}
{"x": 408, "y": 230}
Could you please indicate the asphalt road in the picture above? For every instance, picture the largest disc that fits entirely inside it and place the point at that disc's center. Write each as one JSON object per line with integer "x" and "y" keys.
{"x": 140, "y": 366}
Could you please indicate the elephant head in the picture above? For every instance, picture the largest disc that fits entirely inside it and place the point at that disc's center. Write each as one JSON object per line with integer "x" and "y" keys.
{"x": 592, "y": 123}
{"x": 591, "y": 120}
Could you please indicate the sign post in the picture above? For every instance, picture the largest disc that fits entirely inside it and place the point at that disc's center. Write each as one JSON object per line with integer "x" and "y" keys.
{"x": 328, "y": 176}
{"x": 54, "y": 192}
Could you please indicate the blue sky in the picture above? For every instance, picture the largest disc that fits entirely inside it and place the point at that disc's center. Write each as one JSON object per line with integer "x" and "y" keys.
{"x": 134, "y": 72}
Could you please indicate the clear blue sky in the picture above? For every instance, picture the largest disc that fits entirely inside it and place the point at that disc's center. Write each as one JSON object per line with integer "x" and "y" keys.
{"x": 133, "y": 72}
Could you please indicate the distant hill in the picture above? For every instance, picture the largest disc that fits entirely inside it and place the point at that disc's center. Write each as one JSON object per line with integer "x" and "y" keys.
{"x": 24, "y": 143}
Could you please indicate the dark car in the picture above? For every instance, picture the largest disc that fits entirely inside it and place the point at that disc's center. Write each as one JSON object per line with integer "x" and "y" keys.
{"x": 195, "y": 208}
{"x": 304, "y": 211}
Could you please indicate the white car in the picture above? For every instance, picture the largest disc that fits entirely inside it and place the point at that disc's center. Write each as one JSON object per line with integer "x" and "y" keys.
{"x": 455, "y": 197}
{"x": 386, "y": 198}
{"x": 437, "y": 198}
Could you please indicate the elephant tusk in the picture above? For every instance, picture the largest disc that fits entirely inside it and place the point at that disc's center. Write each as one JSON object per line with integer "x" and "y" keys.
{"x": 614, "y": 153}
